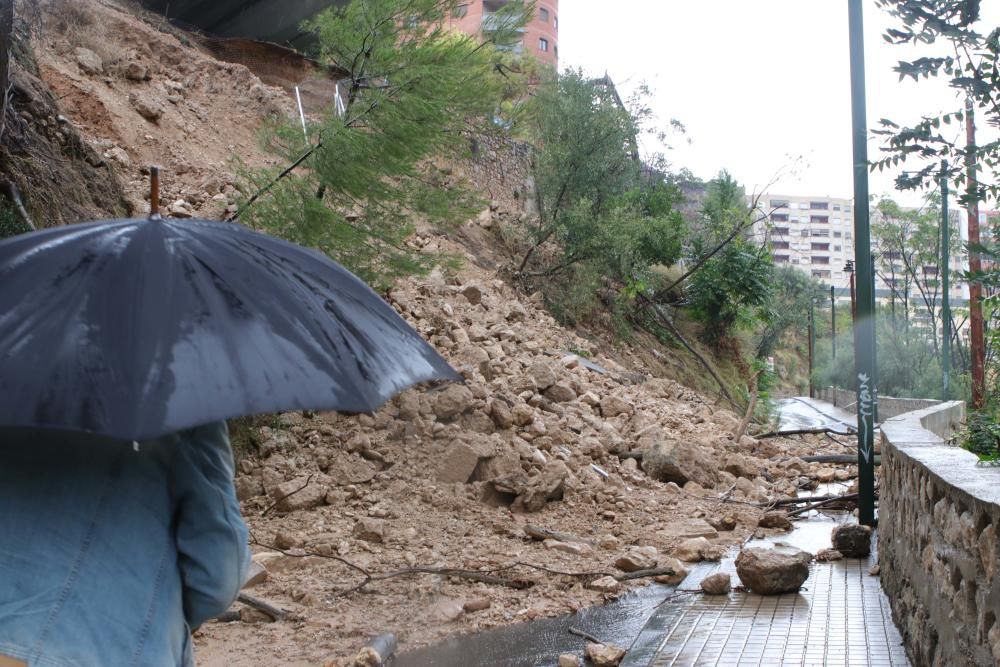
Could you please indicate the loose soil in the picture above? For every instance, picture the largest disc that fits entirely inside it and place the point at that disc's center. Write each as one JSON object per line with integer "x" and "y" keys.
{"x": 545, "y": 431}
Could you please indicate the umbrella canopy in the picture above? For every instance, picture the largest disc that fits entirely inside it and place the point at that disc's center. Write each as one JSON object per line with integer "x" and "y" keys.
{"x": 137, "y": 328}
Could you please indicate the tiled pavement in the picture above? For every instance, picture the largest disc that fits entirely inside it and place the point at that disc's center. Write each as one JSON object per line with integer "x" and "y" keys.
{"x": 841, "y": 618}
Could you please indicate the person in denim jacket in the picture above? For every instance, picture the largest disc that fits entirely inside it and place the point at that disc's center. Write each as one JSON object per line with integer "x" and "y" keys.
{"x": 110, "y": 552}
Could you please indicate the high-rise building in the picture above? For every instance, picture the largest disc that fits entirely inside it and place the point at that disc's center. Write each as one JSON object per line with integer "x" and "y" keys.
{"x": 540, "y": 36}
{"x": 813, "y": 234}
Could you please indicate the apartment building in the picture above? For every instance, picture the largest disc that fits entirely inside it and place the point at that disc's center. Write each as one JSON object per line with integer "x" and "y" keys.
{"x": 540, "y": 35}
{"x": 813, "y": 234}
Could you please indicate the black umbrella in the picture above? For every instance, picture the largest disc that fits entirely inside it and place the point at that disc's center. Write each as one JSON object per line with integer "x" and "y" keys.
{"x": 137, "y": 328}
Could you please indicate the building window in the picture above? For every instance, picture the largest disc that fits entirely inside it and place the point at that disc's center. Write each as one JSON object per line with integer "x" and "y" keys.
{"x": 819, "y": 219}
{"x": 821, "y": 232}
{"x": 780, "y": 259}
{"x": 779, "y": 245}
{"x": 821, "y": 246}
{"x": 836, "y": 248}
{"x": 781, "y": 231}
{"x": 836, "y": 207}
{"x": 543, "y": 15}
{"x": 836, "y": 235}
{"x": 818, "y": 206}
{"x": 460, "y": 11}
{"x": 821, "y": 274}
{"x": 555, "y": 22}
{"x": 819, "y": 259}
{"x": 779, "y": 203}
{"x": 543, "y": 44}
{"x": 779, "y": 217}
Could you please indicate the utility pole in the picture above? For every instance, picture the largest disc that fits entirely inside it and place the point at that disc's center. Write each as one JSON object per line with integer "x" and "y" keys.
{"x": 977, "y": 348}
{"x": 833, "y": 323}
{"x": 864, "y": 326}
{"x": 945, "y": 300}
{"x": 812, "y": 346}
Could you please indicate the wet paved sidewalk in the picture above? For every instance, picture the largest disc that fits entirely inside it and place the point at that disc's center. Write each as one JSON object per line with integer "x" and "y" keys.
{"x": 841, "y": 618}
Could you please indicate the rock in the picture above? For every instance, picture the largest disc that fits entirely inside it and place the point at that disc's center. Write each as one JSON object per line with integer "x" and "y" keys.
{"x": 148, "y": 107}
{"x": 574, "y": 548}
{"x": 604, "y": 655}
{"x": 612, "y": 406}
{"x": 180, "y": 209}
{"x": 479, "y": 604}
{"x": 826, "y": 475}
{"x": 775, "y": 519}
{"x": 370, "y": 530}
{"x": 773, "y": 571}
{"x": 298, "y": 494}
{"x": 516, "y": 312}
{"x": 560, "y": 392}
{"x": 446, "y": 610}
{"x": 609, "y": 543}
{"x": 719, "y": 583}
{"x": 452, "y": 401}
{"x": 346, "y": 468}
{"x": 607, "y": 585}
{"x": 136, "y": 71}
{"x": 692, "y": 550}
{"x": 459, "y": 463}
{"x": 725, "y": 523}
{"x": 874, "y": 570}
{"x": 248, "y": 487}
{"x": 637, "y": 559}
{"x": 568, "y": 660}
{"x": 828, "y": 555}
{"x": 473, "y": 294}
{"x": 118, "y": 155}
{"x": 285, "y": 540}
{"x": 680, "y": 572}
{"x": 501, "y": 414}
{"x": 256, "y": 574}
{"x": 688, "y": 528}
{"x": 738, "y": 465}
{"x": 539, "y": 490}
{"x": 542, "y": 374}
{"x": 673, "y": 461}
{"x": 89, "y": 62}
{"x": 852, "y": 540}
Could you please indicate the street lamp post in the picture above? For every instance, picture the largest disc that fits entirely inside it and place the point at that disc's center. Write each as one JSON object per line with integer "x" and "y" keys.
{"x": 833, "y": 324}
{"x": 812, "y": 346}
{"x": 864, "y": 324}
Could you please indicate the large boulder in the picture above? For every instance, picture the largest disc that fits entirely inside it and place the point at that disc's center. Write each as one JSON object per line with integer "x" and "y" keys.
{"x": 717, "y": 584}
{"x": 679, "y": 462}
{"x": 773, "y": 571}
{"x": 852, "y": 540}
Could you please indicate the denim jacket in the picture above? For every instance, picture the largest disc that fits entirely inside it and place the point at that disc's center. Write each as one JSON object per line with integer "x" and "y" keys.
{"x": 111, "y": 552}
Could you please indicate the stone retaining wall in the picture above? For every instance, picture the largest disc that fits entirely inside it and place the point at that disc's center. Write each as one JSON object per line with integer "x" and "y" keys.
{"x": 888, "y": 406}
{"x": 939, "y": 551}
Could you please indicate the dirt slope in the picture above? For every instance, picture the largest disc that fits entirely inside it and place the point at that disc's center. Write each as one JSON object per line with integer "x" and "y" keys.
{"x": 545, "y": 432}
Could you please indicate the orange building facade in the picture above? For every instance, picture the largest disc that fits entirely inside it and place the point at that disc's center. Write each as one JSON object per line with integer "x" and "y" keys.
{"x": 541, "y": 34}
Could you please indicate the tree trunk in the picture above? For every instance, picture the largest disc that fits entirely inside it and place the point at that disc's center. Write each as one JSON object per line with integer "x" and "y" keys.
{"x": 6, "y": 29}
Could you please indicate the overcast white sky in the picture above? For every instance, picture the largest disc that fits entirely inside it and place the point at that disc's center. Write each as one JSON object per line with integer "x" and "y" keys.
{"x": 763, "y": 86}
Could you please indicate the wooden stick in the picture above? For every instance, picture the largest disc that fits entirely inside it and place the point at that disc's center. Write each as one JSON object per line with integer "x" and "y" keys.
{"x": 589, "y": 637}
{"x": 823, "y": 503}
{"x": 154, "y": 193}
{"x": 803, "y": 431}
{"x": 260, "y": 605}
{"x": 542, "y": 534}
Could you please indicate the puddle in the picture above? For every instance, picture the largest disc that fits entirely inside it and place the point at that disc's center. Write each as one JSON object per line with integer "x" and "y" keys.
{"x": 539, "y": 643}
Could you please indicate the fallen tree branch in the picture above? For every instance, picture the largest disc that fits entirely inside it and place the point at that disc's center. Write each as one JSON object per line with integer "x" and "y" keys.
{"x": 260, "y": 605}
{"x": 580, "y": 633}
{"x": 804, "y": 431}
{"x": 834, "y": 458}
{"x": 542, "y": 534}
{"x": 823, "y": 503}
{"x": 675, "y": 332}
{"x": 745, "y": 422}
{"x": 10, "y": 191}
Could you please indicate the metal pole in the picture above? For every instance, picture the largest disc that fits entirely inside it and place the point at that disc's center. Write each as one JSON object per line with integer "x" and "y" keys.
{"x": 945, "y": 300}
{"x": 854, "y": 301}
{"x": 977, "y": 347}
{"x": 833, "y": 324}
{"x": 812, "y": 346}
{"x": 864, "y": 326}
{"x": 874, "y": 351}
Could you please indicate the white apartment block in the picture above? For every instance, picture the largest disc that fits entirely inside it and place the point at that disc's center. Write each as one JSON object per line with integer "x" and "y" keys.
{"x": 813, "y": 234}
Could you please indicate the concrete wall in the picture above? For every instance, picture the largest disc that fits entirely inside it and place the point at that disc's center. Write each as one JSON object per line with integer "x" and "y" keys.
{"x": 939, "y": 550}
{"x": 888, "y": 406}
